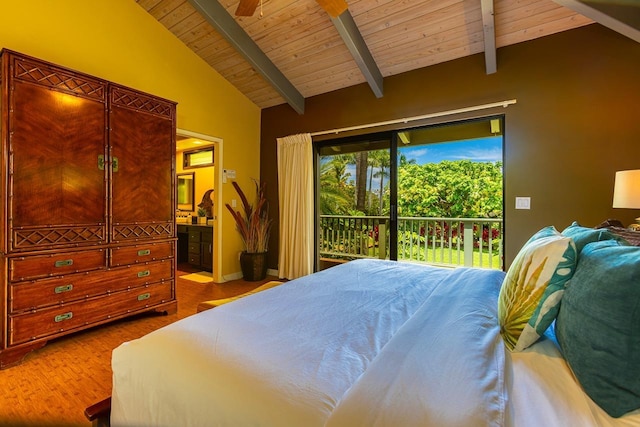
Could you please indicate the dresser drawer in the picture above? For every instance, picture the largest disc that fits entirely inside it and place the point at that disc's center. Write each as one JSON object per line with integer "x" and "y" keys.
{"x": 35, "y": 294}
{"x": 194, "y": 259}
{"x": 194, "y": 235}
{"x": 33, "y": 267}
{"x": 127, "y": 255}
{"x": 54, "y": 320}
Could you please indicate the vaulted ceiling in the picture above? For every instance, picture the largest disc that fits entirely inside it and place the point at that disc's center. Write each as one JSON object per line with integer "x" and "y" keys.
{"x": 290, "y": 50}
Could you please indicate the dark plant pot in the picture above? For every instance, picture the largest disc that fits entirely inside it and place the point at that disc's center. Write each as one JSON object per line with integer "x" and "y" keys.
{"x": 253, "y": 266}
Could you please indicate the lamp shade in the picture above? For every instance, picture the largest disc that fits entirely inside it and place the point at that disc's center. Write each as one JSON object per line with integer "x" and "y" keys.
{"x": 626, "y": 191}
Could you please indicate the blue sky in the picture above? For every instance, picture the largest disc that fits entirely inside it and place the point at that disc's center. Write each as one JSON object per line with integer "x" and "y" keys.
{"x": 478, "y": 150}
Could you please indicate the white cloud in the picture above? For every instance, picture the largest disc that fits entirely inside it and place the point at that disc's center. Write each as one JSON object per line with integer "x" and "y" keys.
{"x": 480, "y": 155}
{"x": 416, "y": 152}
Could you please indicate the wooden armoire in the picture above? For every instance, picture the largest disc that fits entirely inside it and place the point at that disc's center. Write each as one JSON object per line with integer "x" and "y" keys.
{"x": 87, "y": 217}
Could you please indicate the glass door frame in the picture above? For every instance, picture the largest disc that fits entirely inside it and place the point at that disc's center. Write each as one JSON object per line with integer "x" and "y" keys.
{"x": 377, "y": 137}
{"x": 393, "y": 137}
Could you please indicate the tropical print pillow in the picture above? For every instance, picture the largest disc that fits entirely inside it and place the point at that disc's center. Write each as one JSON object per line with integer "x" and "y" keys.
{"x": 530, "y": 295}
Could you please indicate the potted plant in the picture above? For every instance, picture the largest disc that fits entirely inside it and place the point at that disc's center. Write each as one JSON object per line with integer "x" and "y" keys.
{"x": 202, "y": 216}
{"x": 254, "y": 225}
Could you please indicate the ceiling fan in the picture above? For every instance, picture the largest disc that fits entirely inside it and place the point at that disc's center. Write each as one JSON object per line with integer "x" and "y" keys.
{"x": 332, "y": 7}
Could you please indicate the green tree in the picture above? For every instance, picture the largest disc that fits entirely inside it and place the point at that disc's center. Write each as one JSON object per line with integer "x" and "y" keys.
{"x": 362, "y": 166}
{"x": 403, "y": 161}
{"x": 452, "y": 189}
{"x": 335, "y": 192}
{"x": 382, "y": 163}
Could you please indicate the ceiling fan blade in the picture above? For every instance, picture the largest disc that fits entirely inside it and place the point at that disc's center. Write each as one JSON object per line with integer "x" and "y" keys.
{"x": 247, "y": 7}
{"x": 333, "y": 7}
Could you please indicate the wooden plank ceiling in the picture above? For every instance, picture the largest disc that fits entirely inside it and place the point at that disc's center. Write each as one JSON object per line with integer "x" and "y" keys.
{"x": 301, "y": 40}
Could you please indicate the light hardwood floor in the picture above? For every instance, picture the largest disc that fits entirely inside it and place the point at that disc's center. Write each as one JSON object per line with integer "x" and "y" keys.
{"x": 54, "y": 384}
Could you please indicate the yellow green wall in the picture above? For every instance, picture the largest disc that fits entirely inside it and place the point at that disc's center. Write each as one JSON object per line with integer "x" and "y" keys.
{"x": 119, "y": 41}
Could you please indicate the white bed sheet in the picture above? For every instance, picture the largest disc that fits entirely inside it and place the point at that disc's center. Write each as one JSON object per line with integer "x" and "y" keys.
{"x": 544, "y": 392}
{"x": 444, "y": 367}
{"x": 227, "y": 366}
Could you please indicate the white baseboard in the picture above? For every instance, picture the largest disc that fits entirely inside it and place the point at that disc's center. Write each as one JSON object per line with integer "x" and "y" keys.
{"x": 233, "y": 276}
{"x": 272, "y": 272}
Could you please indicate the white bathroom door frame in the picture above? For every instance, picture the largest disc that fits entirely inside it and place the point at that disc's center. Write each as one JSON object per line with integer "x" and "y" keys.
{"x": 217, "y": 198}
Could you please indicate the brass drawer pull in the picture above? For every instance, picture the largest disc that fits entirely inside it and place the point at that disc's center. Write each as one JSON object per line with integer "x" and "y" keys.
{"x": 63, "y": 288}
{"x": 64, "y": 263}
{"x": 144, "y": 273}
{"x": 143, "y": 297}
{"x": 115, "y": 164}
{"x": 64, "y": 316}
{"x": 143, "y": 252}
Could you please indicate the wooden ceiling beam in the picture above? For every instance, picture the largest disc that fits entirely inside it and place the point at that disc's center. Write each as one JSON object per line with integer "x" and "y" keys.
{"x": 488, "y": 28}
{"x": 602, "y": 18}
{"x": 354, "y": 41}
{"x": 333, "y": 7}
{"x": 219, "y": 18}
{"x": 247, "y": 7}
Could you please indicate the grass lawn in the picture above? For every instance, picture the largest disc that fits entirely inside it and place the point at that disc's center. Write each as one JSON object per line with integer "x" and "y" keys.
{"x": 453, "y": 257}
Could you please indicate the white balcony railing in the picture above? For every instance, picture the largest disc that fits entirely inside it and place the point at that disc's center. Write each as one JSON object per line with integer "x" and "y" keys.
{"x": 471, "y": 242}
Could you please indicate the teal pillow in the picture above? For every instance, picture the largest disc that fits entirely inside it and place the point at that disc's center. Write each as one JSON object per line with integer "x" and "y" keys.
{"x": 598, "y": 326}
{"x": 531, "y": 291}
{"x": 582, "y": 236}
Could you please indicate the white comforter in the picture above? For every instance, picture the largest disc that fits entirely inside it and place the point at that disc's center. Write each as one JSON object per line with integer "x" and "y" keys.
{"x": 366, "y": 343}
{"x": 444, "y": 367}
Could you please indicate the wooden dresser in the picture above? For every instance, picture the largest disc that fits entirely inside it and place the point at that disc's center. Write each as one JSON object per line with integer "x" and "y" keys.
{"x": 87, "y": 224}
{"x": 196, "y": 242}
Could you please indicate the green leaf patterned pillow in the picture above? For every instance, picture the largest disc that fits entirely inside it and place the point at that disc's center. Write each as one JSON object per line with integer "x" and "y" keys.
{"x": 530, "y": 295}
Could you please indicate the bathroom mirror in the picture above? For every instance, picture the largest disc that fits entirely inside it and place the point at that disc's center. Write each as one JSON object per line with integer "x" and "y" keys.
{"x": 186, "y": 190}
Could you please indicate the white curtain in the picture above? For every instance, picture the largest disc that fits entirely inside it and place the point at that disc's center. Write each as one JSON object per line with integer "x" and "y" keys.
{"x": 295, "y": 187}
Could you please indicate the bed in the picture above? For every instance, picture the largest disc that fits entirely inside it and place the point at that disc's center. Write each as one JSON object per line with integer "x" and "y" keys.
{"x": 365, "y": 343}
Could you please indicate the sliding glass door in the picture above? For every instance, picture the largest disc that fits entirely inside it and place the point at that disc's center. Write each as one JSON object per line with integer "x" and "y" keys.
{"x": 430, "y": 194}
{"x": 450, "y": 194}
{"x": 354, "y": 201}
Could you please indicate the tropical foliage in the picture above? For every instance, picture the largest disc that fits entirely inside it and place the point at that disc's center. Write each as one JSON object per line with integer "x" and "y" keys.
{"x": 427, "y": 194}
{"x": 449, "y": 189}
{"x": 336, "y": 195}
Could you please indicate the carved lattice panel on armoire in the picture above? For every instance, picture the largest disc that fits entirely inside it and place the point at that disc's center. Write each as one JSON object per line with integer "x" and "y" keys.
{"x": 143, "y": 205}
{"x": 57, "y": 186}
